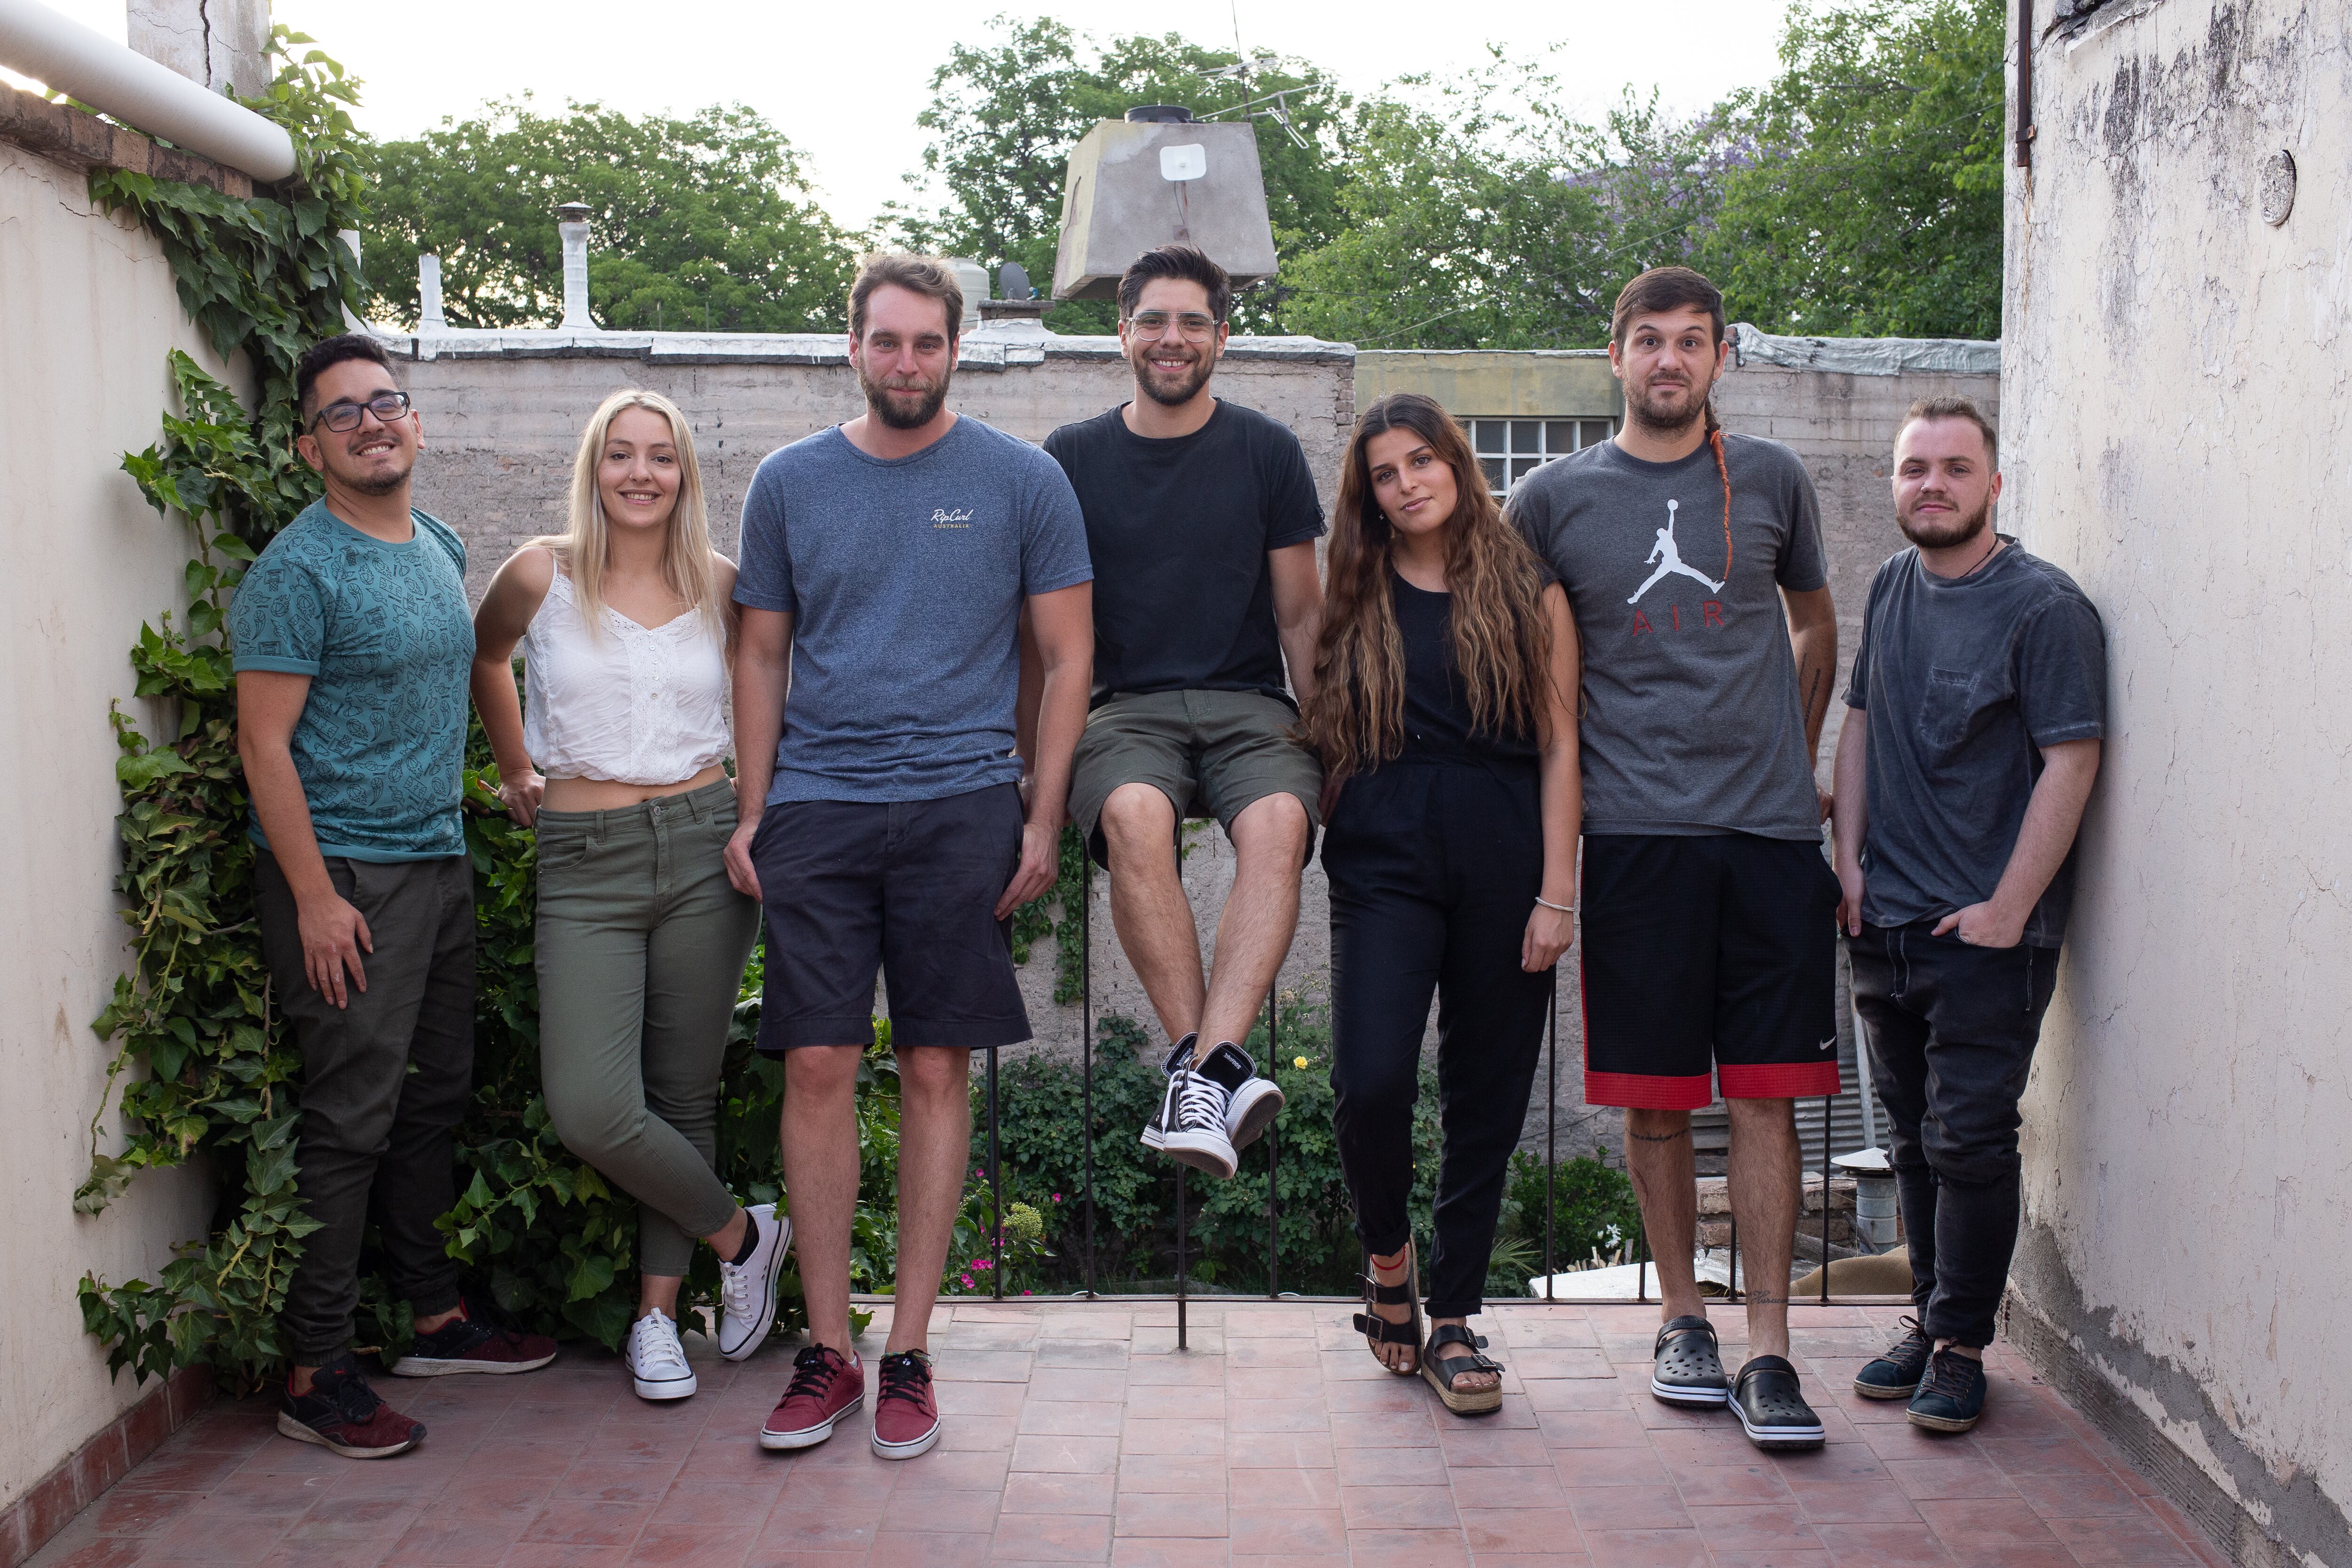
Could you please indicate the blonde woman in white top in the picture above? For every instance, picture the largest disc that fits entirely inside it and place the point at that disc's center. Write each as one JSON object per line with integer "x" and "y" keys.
{"x": 626, "y": 623}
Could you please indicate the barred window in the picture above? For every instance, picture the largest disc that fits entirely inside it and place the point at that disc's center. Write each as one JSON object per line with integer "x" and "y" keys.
{"x": 1510, "y": 449}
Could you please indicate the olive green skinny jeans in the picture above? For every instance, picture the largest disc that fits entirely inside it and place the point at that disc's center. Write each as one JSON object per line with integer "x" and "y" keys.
{"x": 642, "y": 943}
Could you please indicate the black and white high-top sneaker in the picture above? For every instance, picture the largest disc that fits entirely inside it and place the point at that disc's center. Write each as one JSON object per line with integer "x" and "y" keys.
{"x": 1251, "y": 1102}
{"x": 1189, "y": 1124}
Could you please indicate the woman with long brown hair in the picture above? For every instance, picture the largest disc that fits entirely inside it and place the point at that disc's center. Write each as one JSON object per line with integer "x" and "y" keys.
{"x": 1443, "y": 702}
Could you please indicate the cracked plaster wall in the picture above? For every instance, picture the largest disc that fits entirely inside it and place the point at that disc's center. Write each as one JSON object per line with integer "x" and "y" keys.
{"x": 217, "y": 43}
{"x": 2175, "y": 374}
{"x": 88, "y": 310}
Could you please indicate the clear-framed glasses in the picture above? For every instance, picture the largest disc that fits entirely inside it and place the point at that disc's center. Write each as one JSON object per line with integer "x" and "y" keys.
{"x": 1193, "y": 324}
{"x": 340, "y": 417}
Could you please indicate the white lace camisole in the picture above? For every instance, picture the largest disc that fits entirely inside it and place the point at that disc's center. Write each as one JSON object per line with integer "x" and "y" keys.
{"x": 637, "y": 705}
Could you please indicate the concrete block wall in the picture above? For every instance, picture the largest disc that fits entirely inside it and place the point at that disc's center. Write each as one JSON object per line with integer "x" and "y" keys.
{"x": 502, "y": 419}
{"x": 1844, "y": 426}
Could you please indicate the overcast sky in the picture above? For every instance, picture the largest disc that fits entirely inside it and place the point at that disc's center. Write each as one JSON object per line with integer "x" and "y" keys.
{"x": 845, "y": 81}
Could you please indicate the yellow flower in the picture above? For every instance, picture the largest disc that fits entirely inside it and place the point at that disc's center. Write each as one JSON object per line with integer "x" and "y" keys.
{"x": 1299, "y": 1062}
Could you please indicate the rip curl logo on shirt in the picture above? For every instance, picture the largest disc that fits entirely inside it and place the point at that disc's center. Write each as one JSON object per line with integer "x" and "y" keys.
{"x": 961, "y": 517}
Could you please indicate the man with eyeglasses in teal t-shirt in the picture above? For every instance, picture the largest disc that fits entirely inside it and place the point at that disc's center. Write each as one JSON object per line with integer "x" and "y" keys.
{"x": 353, "y": 646}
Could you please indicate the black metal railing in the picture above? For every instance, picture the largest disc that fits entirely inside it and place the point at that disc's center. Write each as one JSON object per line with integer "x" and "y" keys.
{"x": 1735, "y": 1286}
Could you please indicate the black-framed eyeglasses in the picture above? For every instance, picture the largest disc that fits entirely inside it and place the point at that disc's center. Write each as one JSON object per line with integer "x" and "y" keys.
{"x": 1193, "y": 324}
{"x": 340, "y": 417}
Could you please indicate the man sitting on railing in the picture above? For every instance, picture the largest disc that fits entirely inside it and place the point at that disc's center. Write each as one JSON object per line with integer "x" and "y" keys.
{"x": 1202, "y": 520}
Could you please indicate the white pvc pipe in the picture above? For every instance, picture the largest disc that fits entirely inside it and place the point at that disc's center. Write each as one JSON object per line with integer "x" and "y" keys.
{"x": 71, "y": 59}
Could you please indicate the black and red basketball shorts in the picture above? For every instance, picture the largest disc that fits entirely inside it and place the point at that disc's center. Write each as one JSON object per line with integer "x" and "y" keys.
{"x": 1709, "y": 956}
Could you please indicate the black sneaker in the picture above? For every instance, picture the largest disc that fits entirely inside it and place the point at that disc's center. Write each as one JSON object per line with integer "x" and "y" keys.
{"x": 474, "y": 1340}
{"x": 1896, "y": 1374}
{"x": 342, "y": 1413}
{"x": 1189, "y": 1124}
{"x": 1772, "y": 1409}
{"x": 1687, "y": 1368}
{"x": 1952, "y": 1396}
{"x": 1251, "y": 1102}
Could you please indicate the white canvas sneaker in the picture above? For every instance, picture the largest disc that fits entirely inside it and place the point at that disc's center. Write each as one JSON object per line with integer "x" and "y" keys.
{"x": 656, "y": 1360}
{"x": 747, "y": 1291}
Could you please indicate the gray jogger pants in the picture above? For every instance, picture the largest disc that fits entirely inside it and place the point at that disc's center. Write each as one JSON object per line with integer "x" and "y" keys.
{"x": 642, "y": 943}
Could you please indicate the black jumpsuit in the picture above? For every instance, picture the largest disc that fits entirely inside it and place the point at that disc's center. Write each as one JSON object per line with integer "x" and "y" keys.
{"x": 1434, "y": 861}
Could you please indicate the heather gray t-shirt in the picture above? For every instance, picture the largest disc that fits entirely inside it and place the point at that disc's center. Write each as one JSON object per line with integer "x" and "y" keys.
{"x": 1691, "y": 717}
{"x": 905, "y": 579}
{"x": 1965, "y": 680}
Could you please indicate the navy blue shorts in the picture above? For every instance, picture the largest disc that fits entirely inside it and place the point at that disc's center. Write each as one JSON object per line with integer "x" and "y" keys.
{"x": 908, "y": 889}
{"x": 1708, "y": 959}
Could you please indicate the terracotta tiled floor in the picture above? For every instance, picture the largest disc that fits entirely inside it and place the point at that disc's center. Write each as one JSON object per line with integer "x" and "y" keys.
{"x": 1077, "y": 1433}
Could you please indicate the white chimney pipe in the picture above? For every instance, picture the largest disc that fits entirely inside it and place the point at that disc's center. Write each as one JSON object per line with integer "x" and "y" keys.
{"x": 70, "y": 58}
{"x": 428, "y": 293}
{"x": 574, "y": 230}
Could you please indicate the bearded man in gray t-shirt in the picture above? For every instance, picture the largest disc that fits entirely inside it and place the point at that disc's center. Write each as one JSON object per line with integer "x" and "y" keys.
{"x": 1972, "y": 737}
{"x": 1693, "y": 561}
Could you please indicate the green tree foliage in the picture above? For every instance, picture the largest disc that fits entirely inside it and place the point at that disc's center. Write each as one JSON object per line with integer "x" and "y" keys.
{"x": 1859, "y": 194}
{"x": 702, "y": 221}
{"x": 1004, "y": 114}
{"x": 1476, "y": 215}
{"x": 1875, "y": 205}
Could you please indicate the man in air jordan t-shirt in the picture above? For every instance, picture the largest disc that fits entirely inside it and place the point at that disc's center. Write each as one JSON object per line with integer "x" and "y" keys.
{"x": 1708, "y": 911}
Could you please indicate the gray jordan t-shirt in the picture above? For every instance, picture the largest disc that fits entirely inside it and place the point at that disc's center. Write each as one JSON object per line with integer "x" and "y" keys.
{"x": 1965, "y": 680}
{"x": 905, "y": 579}
{"x": 1691, "y": 723}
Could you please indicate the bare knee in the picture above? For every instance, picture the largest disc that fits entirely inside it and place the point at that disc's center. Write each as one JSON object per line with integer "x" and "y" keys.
{"x": 1648, "y": 1129}
{"x": 823, "y": 1072}
{"x": 1769, "y": 1121}
{"x": 935, "y": 1073}
{"x": 1272, "y": 831}
{"x": 1138, "y": 828}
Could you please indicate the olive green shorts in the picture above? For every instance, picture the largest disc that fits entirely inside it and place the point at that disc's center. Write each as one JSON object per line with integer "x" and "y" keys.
{"x": 1213, "y": 753}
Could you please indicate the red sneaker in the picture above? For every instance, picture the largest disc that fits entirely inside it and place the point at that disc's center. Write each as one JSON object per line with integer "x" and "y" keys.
{"x": 470, "y": 1342}
{"x": 343, "y": 1413}
{"x": 824, "y": 1387}
{"x": 906, "y": 1412}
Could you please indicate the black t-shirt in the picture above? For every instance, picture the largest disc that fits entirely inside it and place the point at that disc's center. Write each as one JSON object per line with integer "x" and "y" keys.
{"x": 1178, "y": 531}
{"x": 1965, "y": 680}
{"x": 1437, "y": 714}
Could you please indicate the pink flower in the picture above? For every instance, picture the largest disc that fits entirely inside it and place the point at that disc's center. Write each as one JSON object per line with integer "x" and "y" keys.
{"x": 967, "y": 1283}
{"x": 1057, "y": 1198}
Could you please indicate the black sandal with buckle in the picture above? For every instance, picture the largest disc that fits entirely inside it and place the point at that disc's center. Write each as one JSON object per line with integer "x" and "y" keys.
{"x": 1441, "y": 1371}
{"x": 1378, "y": 1331}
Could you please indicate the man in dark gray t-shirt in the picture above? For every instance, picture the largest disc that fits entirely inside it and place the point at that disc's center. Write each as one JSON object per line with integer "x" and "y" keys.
{"x": 1693, "y": 562}
{"x": 1977, "y": 709}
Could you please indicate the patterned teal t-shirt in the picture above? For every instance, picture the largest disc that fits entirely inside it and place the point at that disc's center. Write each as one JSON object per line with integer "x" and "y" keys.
{"x": 384, "y": 633}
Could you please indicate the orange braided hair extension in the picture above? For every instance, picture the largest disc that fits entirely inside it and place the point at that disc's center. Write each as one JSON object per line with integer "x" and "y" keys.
{"x": 1715, "y": 439}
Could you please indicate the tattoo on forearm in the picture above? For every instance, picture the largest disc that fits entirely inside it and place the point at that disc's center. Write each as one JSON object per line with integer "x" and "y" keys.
{"x": 1658, "y": 1137}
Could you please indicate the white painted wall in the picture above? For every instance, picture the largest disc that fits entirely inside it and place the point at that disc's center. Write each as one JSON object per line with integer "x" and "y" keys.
{"x": 2176, "y": 399}
{"x": 88, "y": 310}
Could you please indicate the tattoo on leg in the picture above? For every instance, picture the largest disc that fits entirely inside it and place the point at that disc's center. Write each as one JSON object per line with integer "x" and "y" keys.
{"x": 1658, "y": 1137}
{"x": 1756, "y": 1299}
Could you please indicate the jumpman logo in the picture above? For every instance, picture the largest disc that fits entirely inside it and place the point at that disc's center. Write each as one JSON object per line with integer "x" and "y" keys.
{"x": 1670, "y": 561}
